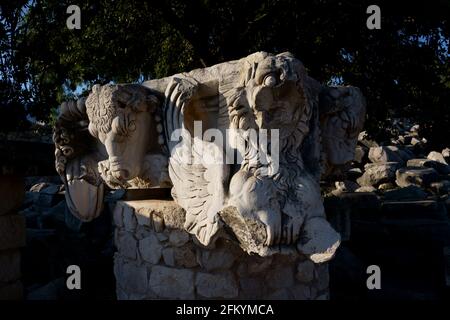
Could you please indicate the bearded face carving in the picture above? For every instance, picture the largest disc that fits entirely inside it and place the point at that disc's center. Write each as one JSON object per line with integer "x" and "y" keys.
{"x": 271, "y": 199}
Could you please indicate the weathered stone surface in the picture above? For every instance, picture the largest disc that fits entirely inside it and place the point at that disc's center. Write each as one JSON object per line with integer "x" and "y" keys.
{"x": 9, "y": 265}
{"x": 366, "y": 189}
{"x": 378, "y": 173}
{"x": 217, "y": 259}
{"x": 157, "y": 214}
{"x": 12, "y": 231}
{"x": 185, "y": 257}
{"x": 322, "y": 276}
{"x": 415, "y": 176}
{"x": 427, "y": 163}
{"x": 446, "y": 154}
{"x": 386, "y": 186}
{"x": 389, "y": 154}
{"x": 12, "y": 193}
{"x": 190, "y": 270}
{"x": 150, "y": 249}
{"x": 126, "y": 244}
{"x": 436, "y": 156}
{"x": 221, "y": 285}
{"x": 169, "y": 256}
{"x": 129, "y": 219}
{"x": 322, "y": 241}
{"x": 345, "y": 186}
{"x": 360, "y": 153}
{"x": 305, "y": 271}
{"x": 131, "y": 277}
{"x": 280, "y": 277}
{"x": 257, "y": 265}
{"x": 172, "y": 283}
{"x": 178, "y": 237}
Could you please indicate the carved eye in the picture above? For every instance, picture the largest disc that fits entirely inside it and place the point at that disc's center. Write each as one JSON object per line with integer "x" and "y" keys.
{"x": 270, "y": 80}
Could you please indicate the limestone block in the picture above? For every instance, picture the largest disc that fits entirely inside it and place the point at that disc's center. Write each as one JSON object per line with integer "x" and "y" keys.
{"x": 169, "y": 256}
{"x": 366, "y": 189}
{"x": 126, "y": 244}
{"x": 178, "y": 238}
{"x": 305, "y": 271}
{"x": 322, "y": 276}
{"x": 157, "y": 214}
{"x": 150, "y": 249}
{"x": 217, "y": 259}
{"x": 389, "y": 154}
{"x": 437, "y": 156}
{"x": 416, "y": 176}
{"x": 185, "y": 257}
{"x": 12, "y": 231}
{"x": 378, "y": 173}
{"x": 280, "y": 277}
{"x": 321, "y": 241}
{"x": 172, "y": 283}
{"x": 220, "y": 285}
{"x": 439, "y": 166}
{"x": 446, "y": 154}
{"x": 129, "y": 219}
{"x": 130, "y": 276}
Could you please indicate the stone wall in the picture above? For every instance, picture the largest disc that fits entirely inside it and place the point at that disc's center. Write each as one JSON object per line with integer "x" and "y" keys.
{"x": 12, "y": 237}
{"x": 157, "y": 259}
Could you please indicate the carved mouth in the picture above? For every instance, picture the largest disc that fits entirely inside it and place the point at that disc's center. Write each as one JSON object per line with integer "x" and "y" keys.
{"x": 114, "y": 176}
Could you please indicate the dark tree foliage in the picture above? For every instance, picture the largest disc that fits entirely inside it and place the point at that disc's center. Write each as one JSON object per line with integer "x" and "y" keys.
{"x": 403, "y": 69}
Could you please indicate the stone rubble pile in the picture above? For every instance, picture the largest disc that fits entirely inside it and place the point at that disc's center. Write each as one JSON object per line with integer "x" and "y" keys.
{"x": 402, "y": 162}
{"x": 392, "y": 207}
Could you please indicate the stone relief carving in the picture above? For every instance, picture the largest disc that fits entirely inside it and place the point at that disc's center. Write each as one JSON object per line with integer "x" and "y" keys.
{"x": 143, "y": 136}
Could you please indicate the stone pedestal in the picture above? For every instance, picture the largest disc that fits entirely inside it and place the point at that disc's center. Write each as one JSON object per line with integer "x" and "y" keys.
{"x": 12, "y": 237}
{"x": 157, "y": 259}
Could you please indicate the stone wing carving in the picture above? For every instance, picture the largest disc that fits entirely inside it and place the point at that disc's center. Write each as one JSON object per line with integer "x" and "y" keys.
{"x": 195, "y": 167}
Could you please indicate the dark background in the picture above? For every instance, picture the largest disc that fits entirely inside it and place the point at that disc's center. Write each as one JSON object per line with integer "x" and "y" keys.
{"x": 403, "y": 69}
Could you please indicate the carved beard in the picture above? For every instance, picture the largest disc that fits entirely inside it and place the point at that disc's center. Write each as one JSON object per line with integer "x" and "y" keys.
{"x": 269, "y": 195}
